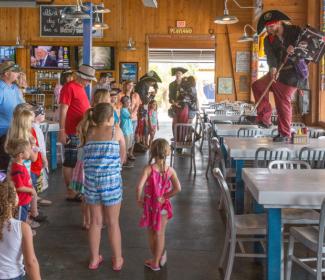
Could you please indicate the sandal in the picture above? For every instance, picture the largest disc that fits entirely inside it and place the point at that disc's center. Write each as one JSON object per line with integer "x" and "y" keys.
{"x": 163, "y": 259}
{"x": 150, "y": 265}
{"x": 114, "y": 266}
{"x": 76, "y": 198}
{"x": 96, "y": 265}
{"x": 44, "y": 202}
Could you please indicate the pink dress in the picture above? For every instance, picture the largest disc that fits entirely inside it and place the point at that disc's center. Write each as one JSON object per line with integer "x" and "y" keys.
{"x": 156, "y": 186}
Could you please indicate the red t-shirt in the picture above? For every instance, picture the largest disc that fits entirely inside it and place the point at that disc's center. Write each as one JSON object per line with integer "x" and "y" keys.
{"x": 74, "y": 95}
{"x": 20, "y": 177}
{"x": 36, "y": 166}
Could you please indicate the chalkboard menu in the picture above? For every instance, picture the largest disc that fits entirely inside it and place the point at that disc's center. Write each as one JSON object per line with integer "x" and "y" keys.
{"x": 53, "y": 25}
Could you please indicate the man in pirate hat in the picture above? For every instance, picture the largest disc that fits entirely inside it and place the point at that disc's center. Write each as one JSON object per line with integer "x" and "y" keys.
{"x": 174, "y": 86}
{"x": 278, "y": 46}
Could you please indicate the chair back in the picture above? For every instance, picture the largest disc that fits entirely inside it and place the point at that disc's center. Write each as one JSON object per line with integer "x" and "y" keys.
{"x": 264, "y": 156}
{"x": 220, "y": 112}
{"x": 244, "y": 120}
{"x": 288, "y": 164}
{"x": 39, "y": 99}
{"x": 315, "y": 157}
{"x": 184, "y": 135}
{"x": 274, "y": 119}
{"x": 249, "y": 132}
{"x": 321, "y": 234}
{"x": 45, "y": 130}
{"x": 226, "y": 199}
{"x": 274, "y": 132}
{"x": 315, "y": 133}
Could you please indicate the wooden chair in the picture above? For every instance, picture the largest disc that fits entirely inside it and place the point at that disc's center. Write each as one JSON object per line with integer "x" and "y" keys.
{"x": 201, "y": 129}
{"x": 184, "y": 139}
{"x": 314, "y": 156}
{"x": 240, "y": 229}
{"x": 312, "y": 238}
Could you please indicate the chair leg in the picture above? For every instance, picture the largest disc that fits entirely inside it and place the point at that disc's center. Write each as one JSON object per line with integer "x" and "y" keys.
{"x": 319, "y": 275}
{"x": 231, "y": 257}
{"x": 202, "y": 140}
{"x": 289, "y": 257}
{"x": 193, "y": 154}
{"x": 191, "y": 163}
{"x": 207, "y": 170}
{"x": 224, "y": 250}
{"x": 171, "y": 157}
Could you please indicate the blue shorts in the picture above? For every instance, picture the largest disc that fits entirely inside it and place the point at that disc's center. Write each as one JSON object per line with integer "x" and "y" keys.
{"x": 20, "y": 277}
{"x": 23, "y": 212}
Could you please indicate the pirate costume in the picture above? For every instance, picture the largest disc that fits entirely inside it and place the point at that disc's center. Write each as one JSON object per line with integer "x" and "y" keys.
{"x": 287, "y": 82}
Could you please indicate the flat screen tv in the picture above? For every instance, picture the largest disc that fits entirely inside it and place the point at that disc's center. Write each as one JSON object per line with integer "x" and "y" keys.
{"x": 50, "y": 57}
{"x": 102, "y": 57}
{"x": 7, "y": 54}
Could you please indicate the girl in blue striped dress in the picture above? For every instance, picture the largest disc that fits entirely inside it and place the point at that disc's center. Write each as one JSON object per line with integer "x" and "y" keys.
{"x": 104, "y": 152}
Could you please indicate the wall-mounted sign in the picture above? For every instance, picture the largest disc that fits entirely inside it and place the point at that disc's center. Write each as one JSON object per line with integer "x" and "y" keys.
{"x": 180, "y": 23}
{"x": 243, "y": 62}
{"x": 180, "y": 30}
{"x": 53, "y": 25}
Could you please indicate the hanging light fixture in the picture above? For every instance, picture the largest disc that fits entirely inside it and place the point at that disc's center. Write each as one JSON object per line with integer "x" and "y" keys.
{"x": 77, "y": 12}
{"x": 246, "y": 37}
{"x": 130, "y": 46}
{"x": 98, "y": 24}
{"x": 19, "y": 44}
{"x": 100, "y": 9}
{"x": 228, "y": 19}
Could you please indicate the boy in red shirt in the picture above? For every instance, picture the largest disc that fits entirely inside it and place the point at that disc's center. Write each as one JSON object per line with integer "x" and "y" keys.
{"x": 20, "y": 150}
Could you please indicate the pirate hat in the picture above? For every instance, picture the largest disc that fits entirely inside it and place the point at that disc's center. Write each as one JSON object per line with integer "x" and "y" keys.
{"x": 178, "y": 69}
{"x": 268, "y": 17}
{"x": 151, "y": 76}
{"x": 114, "y": 91}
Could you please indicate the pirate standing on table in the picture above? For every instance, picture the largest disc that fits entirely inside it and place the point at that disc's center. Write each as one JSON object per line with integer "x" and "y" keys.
{"x": 278, "y": 43}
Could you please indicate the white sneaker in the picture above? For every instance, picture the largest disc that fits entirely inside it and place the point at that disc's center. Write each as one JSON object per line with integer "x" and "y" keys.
{"x": 163, "y": 259}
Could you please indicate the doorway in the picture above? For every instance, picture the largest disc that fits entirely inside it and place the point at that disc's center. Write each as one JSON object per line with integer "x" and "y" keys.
{"x": 195, "y": 53}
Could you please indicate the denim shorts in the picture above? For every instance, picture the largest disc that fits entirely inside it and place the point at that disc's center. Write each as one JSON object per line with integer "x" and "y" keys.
{"x": 23, "y": 212}
{"x": 71, "y": 151}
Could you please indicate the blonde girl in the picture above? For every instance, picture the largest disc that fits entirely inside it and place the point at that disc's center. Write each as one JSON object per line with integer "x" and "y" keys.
{"x": 104, "y": 151}
{"x": 77, "y": 183}
{"x": 16, "y": 240}
{"x": 101, "y": 96}
{"x": 21, "y": 128}
{"x": 157, "y": 185}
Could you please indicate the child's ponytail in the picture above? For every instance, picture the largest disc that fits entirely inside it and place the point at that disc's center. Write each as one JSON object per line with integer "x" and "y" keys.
{"x": 84, "y": 125}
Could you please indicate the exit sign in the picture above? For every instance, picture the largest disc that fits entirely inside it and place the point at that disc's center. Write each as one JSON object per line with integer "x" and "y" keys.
{"x": 180, "y": 23}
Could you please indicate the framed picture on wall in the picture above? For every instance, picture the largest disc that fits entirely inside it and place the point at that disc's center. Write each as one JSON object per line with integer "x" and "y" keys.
{"x": 128, "y": 71}
{"x": 225, "y": 85}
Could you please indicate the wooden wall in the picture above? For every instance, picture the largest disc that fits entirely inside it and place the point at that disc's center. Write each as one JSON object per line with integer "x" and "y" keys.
{"x": 129, "y": 18}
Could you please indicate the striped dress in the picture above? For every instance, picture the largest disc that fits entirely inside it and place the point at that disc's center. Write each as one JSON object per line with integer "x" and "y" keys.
{"x": 102, "y": 167}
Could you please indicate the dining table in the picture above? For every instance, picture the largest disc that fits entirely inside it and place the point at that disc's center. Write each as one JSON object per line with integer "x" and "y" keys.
{"x": 277, "y": 189}
{"x": 241, "y": 149}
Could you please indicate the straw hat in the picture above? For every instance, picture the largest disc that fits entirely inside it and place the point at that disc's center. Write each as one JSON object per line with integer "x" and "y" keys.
{"x": 9, "y": 66}
{"x": 87, "y": 72}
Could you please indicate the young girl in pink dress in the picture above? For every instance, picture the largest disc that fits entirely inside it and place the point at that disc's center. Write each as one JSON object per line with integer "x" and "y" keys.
{"x": 157, "y": 185}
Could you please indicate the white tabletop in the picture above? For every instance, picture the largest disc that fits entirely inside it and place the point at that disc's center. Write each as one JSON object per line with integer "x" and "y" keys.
{"x": 286, "y": 188}
{"x": 233, "y": 118}
{"x": 225, "y": 130}
{"x": 245, "y": 147}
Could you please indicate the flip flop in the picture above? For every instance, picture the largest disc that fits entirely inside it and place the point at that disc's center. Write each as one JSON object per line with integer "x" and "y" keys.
{"x": 163, "y": 259}
{"x": 117, "y": 268}
{"x": 45, "y": 202}
{"x": 96, "y": 265}
{"x": 150, "y": 265}
{"x": 76, "y": 198}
